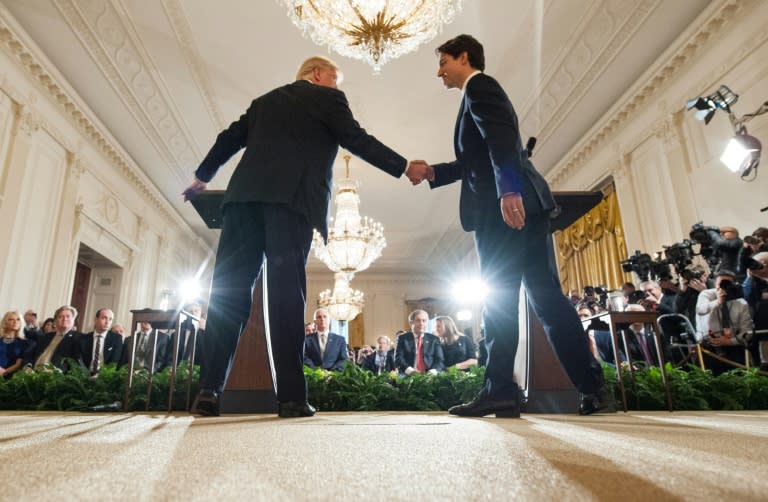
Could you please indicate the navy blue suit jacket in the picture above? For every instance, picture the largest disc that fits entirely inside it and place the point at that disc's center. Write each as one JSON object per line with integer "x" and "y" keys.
{"x": 488, "y": 123}
{"x": 113, "y": 348}
{"x": 389, "y": 362}
{"x": 335, "y": 352}
{"x": 405, "y": 352}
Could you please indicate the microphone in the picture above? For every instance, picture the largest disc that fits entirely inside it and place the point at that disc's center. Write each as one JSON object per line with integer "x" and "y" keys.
{"x": 529, "y": 146}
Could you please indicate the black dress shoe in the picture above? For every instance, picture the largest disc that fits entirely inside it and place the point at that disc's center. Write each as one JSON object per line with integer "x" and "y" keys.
{"x": 293, "y": 409}
{"x": 482, "y": 406}
{"x": 600, "y": 402}
{"x": 206, "y": 403}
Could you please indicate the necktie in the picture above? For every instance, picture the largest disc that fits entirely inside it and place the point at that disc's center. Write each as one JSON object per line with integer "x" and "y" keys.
{"x": 644, "y": 345}
{"x": 322, "y": 344}
{"x": 420, "y": 366}
{"x": 96, "y": 361}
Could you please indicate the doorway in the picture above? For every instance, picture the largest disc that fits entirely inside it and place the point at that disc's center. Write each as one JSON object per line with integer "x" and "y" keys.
{"x": 96, "y": 285}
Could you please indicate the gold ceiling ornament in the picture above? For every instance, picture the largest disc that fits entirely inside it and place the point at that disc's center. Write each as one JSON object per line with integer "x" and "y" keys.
{"x": 344, "y": 303}
{"x": 373, "y": 31}
{"x": 353, "y": 242}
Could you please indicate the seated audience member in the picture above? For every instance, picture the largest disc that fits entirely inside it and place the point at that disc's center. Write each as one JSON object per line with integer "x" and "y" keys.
{"x": 151, "y": 350}
{"x": 351, "y": 355}
{"x": 323, "y": 349}
{"x": 190, "y": 329}
{"x": 365, "y": 351}
{"x": 459, "y": 350}
{"x": 64, "y": 343}
{"x": 640, "y": 343}
{"x": 723, "y": 321}
{"x": 689, "y": 290}
{"x": 382, "y": 360}
{"x": 655, "y": 300}
{"x": 49, "y": 326}
{"x": 309, "y": 328}
{"x": 418, "y": 351}
{"x": 14, "y": 346}
{"x": 31, "y": 330}
{"x": 119, "y": 329}
{"x": 101, "y": 346}
{"x": 584, "y": 311}
{"x": 756, "y": 295}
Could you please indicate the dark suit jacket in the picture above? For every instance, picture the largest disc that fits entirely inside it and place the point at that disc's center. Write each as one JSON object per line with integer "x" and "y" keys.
{"x": 405, "y": 352}
{"x": 291, "y": 137}
{"x": 162, "y": 349}
{"x": 335, "y": 352}
{"x": 185, "y": 346}
{"x": 113, "y": 348}
{"x": 69, "y": 347}
{"x": 369, "y": 363}
{"x": 490, "y": 157}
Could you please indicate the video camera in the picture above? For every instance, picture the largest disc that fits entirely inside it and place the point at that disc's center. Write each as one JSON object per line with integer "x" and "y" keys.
{"x": 700, "y": 235}
{"x": 644, "y": 266}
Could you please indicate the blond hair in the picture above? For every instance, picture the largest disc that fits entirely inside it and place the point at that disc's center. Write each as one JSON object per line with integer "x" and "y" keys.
{"x": 19, "y": 332}
{"x": 313, "y": 63}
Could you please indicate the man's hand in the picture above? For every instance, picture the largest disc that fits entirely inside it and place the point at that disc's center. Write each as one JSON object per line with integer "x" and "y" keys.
{"x": 418, "y": 171}
{"x": 512, "y": 210}
{"x": 697, "y": 284}
{"x": 192, "y": 190}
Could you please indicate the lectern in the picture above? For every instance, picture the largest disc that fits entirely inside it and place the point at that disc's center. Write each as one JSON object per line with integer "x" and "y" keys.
{"x": 250, "y": 387}
{"x": 537, "y": 369}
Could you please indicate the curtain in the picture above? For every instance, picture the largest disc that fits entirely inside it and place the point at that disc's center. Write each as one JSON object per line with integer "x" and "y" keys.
{"x": 589, "y": 251}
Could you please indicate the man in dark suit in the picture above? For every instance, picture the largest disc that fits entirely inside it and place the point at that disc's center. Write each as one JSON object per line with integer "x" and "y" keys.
{"x": 383, "y": 358}
{"x": 417, "y": 351}
{"x": 151, "y": 349}
{"x": 191, "y": 333}
{"x": 64, "y": 343}
{"x": 507, "y": 203}
{"x": 278, "y": 193}
{"x": 323, "y": 349}
{"x": 101, "y": 346}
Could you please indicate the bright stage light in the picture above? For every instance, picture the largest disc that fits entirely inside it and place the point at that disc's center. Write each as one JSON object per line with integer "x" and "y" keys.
{"x": 470, "y": 291}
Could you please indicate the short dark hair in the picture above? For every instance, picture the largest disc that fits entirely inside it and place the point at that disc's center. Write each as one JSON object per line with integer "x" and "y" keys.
{"x": 725, "y": 272}
{"x": 465, "y": 43}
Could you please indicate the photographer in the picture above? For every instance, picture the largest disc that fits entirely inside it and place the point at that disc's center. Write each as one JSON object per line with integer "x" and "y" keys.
{"x": 756, "y": 295}
{"x": 723, "y": 321}
{"x": 693, "y": 280}
{"x": 753, "y": 244}
{"x": 726, "y": 244}
{"x": 655, "y": 300}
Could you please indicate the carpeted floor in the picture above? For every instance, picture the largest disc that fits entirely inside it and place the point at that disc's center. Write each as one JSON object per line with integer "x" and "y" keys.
{"x": 645, "y": 456}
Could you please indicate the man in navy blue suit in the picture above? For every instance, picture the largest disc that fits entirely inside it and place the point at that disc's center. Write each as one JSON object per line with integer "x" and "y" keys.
{"x": 279, "y": 192}
{"x": 507, "y": 204}
{"x": 323, "y": 349}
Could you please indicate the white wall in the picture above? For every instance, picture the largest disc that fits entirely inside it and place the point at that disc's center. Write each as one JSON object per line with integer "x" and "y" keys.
{"x": 666, "y": 164}
{"x": 64, "y": 180}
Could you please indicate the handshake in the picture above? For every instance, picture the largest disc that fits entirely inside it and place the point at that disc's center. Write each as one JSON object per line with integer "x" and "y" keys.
{"x": 418, "y": 171}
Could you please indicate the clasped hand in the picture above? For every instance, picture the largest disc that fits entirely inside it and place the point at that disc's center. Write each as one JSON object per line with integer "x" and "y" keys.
{"x": 418, "y": 171}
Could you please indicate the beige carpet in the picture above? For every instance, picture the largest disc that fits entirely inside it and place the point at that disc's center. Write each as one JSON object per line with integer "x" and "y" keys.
{"x": 652, "y": 456}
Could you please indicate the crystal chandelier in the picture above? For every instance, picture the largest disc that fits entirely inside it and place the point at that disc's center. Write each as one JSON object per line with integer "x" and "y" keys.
{"x": 344, "y": 303}
{"x": 354, "y": 242}
{"x": 373, "y": 31}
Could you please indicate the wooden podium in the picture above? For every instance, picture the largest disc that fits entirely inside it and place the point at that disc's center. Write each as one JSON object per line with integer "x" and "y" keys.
{"x": 250, "y": 387}
{"x": 537, "y": 369}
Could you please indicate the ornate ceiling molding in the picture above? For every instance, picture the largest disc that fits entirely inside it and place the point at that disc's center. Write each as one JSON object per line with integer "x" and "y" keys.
{"x": 649, "y": 86}
{"x": 15, "y": 43}
{"x": 105, "y": 31}
{"x": 600, "y": 41}
{"x": 188, "y": 46}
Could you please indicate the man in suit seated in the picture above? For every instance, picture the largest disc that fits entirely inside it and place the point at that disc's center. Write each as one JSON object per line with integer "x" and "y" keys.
{"x": 150, "y": 348}
{"x": 63, "y": 343}
{"x": 189, "y": 330}
{"x": 323, "y": 349}
{"x": 101, "y": 346}
{"x": 383, "y": 358}
{"x": 640, "y": 343}
{"x": 418, "y": 351}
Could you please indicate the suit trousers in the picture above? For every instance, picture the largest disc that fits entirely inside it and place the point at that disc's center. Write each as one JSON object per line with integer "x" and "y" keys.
{"x": 507, "y": 258}
{"x": 252, "y": 233}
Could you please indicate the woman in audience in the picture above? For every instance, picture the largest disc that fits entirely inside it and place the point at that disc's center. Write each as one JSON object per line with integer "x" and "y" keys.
{"x": 459, "y": 349}
{"x": 49, "y": 326}
{"x": 13, "y": 344}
